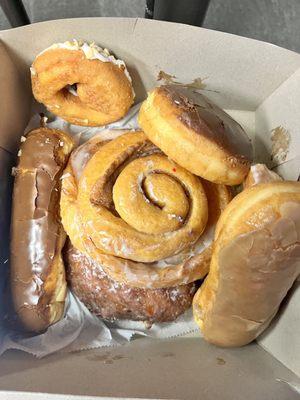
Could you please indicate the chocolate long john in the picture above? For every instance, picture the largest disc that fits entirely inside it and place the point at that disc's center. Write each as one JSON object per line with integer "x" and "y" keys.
{"x": 37, "y": 237}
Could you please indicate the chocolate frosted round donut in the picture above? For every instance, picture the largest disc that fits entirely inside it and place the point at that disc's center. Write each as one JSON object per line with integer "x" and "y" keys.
{"x": 197, "y": 134}
{"x": 110, "y": 300}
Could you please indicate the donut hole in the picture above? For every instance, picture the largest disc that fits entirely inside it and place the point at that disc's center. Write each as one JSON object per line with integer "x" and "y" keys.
{"x": 70, "y": 89}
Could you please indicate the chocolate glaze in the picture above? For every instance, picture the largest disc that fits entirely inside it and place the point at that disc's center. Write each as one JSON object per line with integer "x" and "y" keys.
{"x": 207, "y": 119}
{"x": 35, "y": 229}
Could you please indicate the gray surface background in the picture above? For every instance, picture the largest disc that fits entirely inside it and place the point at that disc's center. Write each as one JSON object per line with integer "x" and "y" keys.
{"x": 275, "y": 21}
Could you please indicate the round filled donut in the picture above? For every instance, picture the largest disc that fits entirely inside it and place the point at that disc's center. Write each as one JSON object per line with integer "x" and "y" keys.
{"x": 82, "y": 83}
{"x": 196, "y": 134}
{"x": 148, "y": 222}
{"x": 255, "y": 261}
{"x": 111, "y": 300}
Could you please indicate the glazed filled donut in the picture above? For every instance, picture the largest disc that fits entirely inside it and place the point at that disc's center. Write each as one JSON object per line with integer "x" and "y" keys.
{"x": 145, "y": 219}
{"x": 256, "y": 259}
{"x": 196, "y": 134}
{"x": 112, "y": 300}
{"x": 103, "y": 93}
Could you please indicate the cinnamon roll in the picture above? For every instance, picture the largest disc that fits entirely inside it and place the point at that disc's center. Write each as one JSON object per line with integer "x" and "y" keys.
{"x": 145, "y": 219}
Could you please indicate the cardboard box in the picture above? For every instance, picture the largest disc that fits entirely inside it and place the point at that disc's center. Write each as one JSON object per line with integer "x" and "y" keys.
{"x": 260, "y": 84}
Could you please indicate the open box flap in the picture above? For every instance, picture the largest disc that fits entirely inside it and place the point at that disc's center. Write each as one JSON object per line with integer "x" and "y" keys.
{"x": 6, "y": 162}
{"x": 280, "y": 112}
{"x": 15, "y": 102}
{"x": 279, "y": 115}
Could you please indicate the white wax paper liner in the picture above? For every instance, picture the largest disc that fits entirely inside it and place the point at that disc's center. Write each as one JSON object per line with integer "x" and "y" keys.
{"x": 80, "y": 329}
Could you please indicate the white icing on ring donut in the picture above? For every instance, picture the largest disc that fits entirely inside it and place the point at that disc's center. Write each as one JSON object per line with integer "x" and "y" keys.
{"x": 91, "y": 52}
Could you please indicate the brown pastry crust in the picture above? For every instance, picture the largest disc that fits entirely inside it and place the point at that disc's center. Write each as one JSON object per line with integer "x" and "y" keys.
{"x": 196, "y": 134}
{"x": 255, "y": 260}
{"x": 113, "y": 300}
{"x": 37, "y": 237}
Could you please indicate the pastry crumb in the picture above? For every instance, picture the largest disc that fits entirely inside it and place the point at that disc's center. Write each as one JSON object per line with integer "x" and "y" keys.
{"x": 14, "y": 171}
{"x": 220, "y": 361}
{"x": 65, "y": 175}
{"x": 32, "y": 71}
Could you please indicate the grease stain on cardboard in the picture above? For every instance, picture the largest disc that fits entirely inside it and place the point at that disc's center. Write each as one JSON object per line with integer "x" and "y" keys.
{"x": 106, "y": 358}
{"x": 167, "y": 354}
{"x": 221, "y": 361}
{"x": 280, "y": 138}
{"x": 197, "y": 83}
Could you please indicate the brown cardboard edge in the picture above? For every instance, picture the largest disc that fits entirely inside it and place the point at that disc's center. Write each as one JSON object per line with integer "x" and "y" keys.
{"x": 136, "y": 21}
{"x": 15, "y": 100}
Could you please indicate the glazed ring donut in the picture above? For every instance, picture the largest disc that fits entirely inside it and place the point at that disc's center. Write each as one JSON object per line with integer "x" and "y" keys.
{"x": 176, "y": 261}
{"x": 104, "y": 90}
{"x": 113, "y": 300}
{"x": 196, "y": 134}
{"x": 256, "y": 259}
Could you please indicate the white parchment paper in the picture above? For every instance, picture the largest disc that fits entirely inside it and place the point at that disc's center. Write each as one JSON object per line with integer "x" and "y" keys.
{"x": 80, "y": 329}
